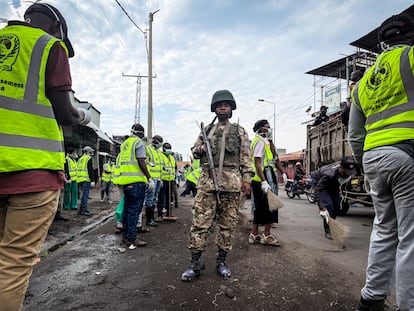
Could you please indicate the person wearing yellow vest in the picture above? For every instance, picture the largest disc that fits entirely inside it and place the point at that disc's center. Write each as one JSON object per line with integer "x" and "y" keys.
{"x": 107, "y": 181}
{"x": 154, "y": 164}
{"x": 134, "y": 178}
{"x": 168, "y": 176}
{"x": 85, "y": 178}
{"x": 35, "y": 100}
{"x": 261, "y": 157}
{"x": 70, "y": 200}
{"x": 381, "y": 134}
{"x": 192, "y": 175}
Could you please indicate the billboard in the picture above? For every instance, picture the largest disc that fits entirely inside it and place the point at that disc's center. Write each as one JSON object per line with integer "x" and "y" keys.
{"x": 333, "y": 99}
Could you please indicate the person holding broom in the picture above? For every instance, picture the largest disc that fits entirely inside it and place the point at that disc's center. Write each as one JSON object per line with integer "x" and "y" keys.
{"x": 262, "y": 155}
{"x": 329, "y": 178}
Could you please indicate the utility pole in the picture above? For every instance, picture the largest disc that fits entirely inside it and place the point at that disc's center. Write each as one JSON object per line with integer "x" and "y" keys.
{"x": 149, "y": 127}
{"x": 137, "y": 96}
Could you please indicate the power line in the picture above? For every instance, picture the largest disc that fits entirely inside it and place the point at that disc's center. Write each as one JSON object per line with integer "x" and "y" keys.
{"x": 126, "y": 13}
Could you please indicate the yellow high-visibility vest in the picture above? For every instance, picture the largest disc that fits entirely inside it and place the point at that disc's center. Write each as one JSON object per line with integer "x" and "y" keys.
{"x": 154, "y": 163}
{"x": 168, "y": 169}
{"x": 129, "y": 170}
{"x": 385, "y": 95}
{"x": 83, "y": 175}
{"x": 30, "y": 135}
{"x": 267, "y": 155}
{"x": 72, "y": 166}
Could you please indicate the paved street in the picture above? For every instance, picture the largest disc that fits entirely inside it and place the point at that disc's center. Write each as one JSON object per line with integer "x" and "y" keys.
{"x": 308, "y": 272}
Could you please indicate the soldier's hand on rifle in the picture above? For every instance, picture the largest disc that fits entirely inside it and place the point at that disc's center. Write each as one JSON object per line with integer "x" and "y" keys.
{"x": 265, "y": 186}
{"x": 246, "y": 189}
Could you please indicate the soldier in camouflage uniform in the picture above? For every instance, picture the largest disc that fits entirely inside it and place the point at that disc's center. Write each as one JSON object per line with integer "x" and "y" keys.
{"x": 232, "y": 161}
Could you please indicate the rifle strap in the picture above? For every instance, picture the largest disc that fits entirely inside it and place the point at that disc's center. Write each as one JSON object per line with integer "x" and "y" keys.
{"x": 222, "y": 151}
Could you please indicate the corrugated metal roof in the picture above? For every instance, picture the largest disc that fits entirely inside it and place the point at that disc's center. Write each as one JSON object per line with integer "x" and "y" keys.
{"x": 337, "y": 68}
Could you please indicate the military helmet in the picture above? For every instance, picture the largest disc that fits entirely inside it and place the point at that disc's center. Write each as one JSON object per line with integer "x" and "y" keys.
{"x": 395, "y": 27}
{"x": 222, "y": 96}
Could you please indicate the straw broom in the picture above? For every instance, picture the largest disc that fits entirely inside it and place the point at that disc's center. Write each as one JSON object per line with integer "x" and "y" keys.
{"x": 339, "y": 232}
{"x": 274, "y": 201}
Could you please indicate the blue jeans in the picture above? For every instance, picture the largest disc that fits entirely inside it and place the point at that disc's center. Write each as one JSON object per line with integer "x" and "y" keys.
{"x": 152, "y": 196}
{"x": 134, "y": 195}
{"x": 85, "y": 195}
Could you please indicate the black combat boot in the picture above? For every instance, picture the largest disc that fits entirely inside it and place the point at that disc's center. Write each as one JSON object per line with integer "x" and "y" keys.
{"x": 327, "y": 230}
{"x": 149, "y": 214}
{"x": 371, "y": 305}
{"x": 221, "y": 267}
{"x": 193, "y": 270}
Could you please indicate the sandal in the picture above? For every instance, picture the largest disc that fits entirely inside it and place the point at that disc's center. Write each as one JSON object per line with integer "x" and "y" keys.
{"x": 142, "y": 230}
{"x": 269, "y": 240}
{"x": 254, "y": 238}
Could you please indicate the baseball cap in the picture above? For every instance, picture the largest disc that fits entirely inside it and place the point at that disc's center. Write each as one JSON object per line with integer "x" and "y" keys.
{"x": 395, "y": 26}
{"x": 348, "y": 164}
{"x": 55, "y": 15}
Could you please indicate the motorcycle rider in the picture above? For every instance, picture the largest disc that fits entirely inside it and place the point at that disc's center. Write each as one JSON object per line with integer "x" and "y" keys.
{"x": 299, "y": 174}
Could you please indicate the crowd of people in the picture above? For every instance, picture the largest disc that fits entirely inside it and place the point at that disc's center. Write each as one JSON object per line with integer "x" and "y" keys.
{"x": 227, "y": 167}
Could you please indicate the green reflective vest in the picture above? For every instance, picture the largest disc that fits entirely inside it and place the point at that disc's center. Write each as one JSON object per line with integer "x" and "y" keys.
{"x": 129, "y": 170}
{"x": 168, "y": 169}
{"x": 116, "y": 170}
{"x": 107, "y": 174}
{"x": 385, "y": 95}
{"x": 72, "y": 167}
{"x": 30, "y": 135}
{"x": 193, "y": 175}
{"x": 83, "y": 175}
{"x": 266, "y": 158}
{"x": 153, "y": 161}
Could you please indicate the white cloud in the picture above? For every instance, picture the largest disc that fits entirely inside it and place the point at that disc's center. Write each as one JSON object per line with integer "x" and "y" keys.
{"x": 256, "y": 49}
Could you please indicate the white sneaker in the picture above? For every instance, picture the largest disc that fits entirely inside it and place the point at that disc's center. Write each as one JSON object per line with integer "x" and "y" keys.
{"x": 101, "y": 201}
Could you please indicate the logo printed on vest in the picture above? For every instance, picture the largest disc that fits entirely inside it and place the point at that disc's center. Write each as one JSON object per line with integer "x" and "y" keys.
{"x": 379, "y": 81}
{"x": 9, "y": 49}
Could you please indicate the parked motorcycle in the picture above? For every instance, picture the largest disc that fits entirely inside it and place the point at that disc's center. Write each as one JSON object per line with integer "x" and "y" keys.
{"x": 304, "y": 186}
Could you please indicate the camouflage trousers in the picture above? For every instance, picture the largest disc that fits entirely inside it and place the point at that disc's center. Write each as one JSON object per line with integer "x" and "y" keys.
{"x": 205, "y": 211}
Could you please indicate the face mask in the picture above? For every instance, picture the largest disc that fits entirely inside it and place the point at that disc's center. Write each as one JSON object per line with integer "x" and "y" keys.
{"x": 157, "y": 145}
{"x": 168, "y": 151}
{"x": 269, "y": 133}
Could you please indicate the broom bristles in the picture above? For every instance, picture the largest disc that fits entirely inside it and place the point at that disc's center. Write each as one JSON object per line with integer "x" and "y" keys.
{"x": 274, "y": 201}
{"x": 339, "y": 232}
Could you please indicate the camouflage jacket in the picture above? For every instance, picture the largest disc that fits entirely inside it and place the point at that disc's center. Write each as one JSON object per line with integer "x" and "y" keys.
{"x": 237, "y": 166}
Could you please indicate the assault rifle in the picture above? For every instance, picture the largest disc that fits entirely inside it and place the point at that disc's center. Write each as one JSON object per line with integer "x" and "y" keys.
{"x": 212, "y": 169}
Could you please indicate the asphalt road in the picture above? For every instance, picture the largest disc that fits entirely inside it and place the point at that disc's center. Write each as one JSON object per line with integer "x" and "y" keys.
{"x": 308, "y": 272}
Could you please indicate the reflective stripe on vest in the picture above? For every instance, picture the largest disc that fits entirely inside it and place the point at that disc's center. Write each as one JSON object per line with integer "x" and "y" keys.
{"x": 72, "y": 166}
{"x": 107, "y": 175}
{"x": 28, "y": 129}
{"x": 267, "y": 155}
{"x": 154, "y": 163}
{"x": 389, "y": 115}
{"x": 129, "y": 170}
{"x": 168, "y": 169}
{"x": 83, "y": 175}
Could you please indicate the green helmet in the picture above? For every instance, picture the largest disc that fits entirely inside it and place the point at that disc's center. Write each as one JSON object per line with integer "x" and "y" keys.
{"x": 222, "y": 96}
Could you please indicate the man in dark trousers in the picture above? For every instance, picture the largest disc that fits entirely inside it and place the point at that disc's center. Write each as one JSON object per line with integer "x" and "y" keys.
{"x": 327, "y": 189}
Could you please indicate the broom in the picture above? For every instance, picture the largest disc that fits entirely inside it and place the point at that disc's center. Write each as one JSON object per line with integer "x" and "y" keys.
{"x": 339, "y": 232}
{"x": 273, "y": 201}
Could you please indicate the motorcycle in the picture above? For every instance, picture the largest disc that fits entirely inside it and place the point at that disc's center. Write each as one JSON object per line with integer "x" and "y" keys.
{"x": 304, "y": 186}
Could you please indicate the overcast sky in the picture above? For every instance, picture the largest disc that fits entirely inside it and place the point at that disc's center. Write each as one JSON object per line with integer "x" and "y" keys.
{"x": 254, "y": 48}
